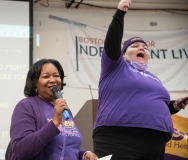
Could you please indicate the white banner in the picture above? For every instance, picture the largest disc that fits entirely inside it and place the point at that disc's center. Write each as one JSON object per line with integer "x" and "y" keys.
{"x": 168, "y": 55}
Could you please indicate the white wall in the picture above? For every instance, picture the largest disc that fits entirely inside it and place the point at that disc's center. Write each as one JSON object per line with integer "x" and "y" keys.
{"x": 53, "y": 39}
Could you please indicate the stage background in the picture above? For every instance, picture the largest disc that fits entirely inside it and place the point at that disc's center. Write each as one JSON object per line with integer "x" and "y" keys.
{"x": 52, "y": 37}
{"x": 50, "y": 25}
{"x": 50, "y": 41}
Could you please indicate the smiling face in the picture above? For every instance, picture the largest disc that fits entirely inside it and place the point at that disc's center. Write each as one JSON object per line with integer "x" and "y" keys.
{"x": 137, "y": 51}
{"x": 48, "y": 78}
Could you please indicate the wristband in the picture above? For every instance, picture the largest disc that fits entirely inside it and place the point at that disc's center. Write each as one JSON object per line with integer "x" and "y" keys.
{"x": 84, "y": 155}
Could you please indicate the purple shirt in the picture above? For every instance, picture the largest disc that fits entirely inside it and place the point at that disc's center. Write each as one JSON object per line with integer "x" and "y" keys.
{"x": 69, "y": 136}
{"x": 130, "y": 98}
{"x": 30, "y": 132}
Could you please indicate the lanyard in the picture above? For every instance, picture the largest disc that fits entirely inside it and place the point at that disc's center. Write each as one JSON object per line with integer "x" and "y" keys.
{"x": 48, "y": 109}
{"x": 64, "y": 142}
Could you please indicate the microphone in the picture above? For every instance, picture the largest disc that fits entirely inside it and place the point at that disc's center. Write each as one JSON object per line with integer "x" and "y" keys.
{"x": 57, "y": 94}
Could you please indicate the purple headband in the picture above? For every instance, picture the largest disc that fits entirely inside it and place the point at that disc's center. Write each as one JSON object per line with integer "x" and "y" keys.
{"x": 130, "y": 41}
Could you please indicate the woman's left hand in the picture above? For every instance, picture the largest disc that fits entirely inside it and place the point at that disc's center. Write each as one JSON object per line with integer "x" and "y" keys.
{"x": 90, "y": 156}
{"x": 183, "y": 105}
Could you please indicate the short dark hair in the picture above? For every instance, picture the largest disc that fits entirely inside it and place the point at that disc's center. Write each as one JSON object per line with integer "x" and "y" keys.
{"x": 34, "y": 74}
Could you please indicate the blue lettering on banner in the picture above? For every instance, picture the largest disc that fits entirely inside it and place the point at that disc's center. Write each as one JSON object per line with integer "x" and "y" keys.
{"x": 157, "y": 55}
{"x": 161, "y": 53}
{"x": 173, "y": 55}
{"x": 180, "y": 56}
{"x": 185, "y": 53}
{"x": 91, "y": 51}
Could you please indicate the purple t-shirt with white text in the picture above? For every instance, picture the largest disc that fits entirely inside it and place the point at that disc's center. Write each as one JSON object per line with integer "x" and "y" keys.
{"x": 69, "y": 136}
{"x": 130, "y": 98}
{"x": 34, "y": 136}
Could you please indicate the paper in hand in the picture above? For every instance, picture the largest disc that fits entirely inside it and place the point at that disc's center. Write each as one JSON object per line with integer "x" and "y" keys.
{"x": 106, "y": 157}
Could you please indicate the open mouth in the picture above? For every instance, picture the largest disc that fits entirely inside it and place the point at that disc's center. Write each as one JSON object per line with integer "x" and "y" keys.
{"x": 140, "y": 55}
{"x": 50, "y": 87}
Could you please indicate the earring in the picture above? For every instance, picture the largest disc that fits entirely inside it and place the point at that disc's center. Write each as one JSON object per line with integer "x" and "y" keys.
{"x": 36, "y": 92}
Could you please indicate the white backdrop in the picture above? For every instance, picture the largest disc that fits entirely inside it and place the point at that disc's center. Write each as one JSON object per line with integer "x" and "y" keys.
{"x": 53, "y": 38}
{"x": 168, "y": 55}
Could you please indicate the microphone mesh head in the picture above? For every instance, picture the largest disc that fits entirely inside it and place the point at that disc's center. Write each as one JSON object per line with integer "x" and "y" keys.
{"x": 55, "y": 89}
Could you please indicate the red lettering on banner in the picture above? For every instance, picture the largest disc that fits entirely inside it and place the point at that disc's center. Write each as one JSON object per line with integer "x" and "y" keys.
{"x": 91, "y": 40}
{"x": 80, "y": 39}
{"x": 86, "y": 40}
{"x": 150, "y": 43}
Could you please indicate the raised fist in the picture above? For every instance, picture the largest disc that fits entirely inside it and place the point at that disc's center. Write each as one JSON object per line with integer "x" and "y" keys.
{"x": 124, "y": 5}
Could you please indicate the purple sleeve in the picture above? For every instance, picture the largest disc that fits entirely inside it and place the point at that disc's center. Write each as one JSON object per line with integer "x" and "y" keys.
{"x": 26, "y": 140}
